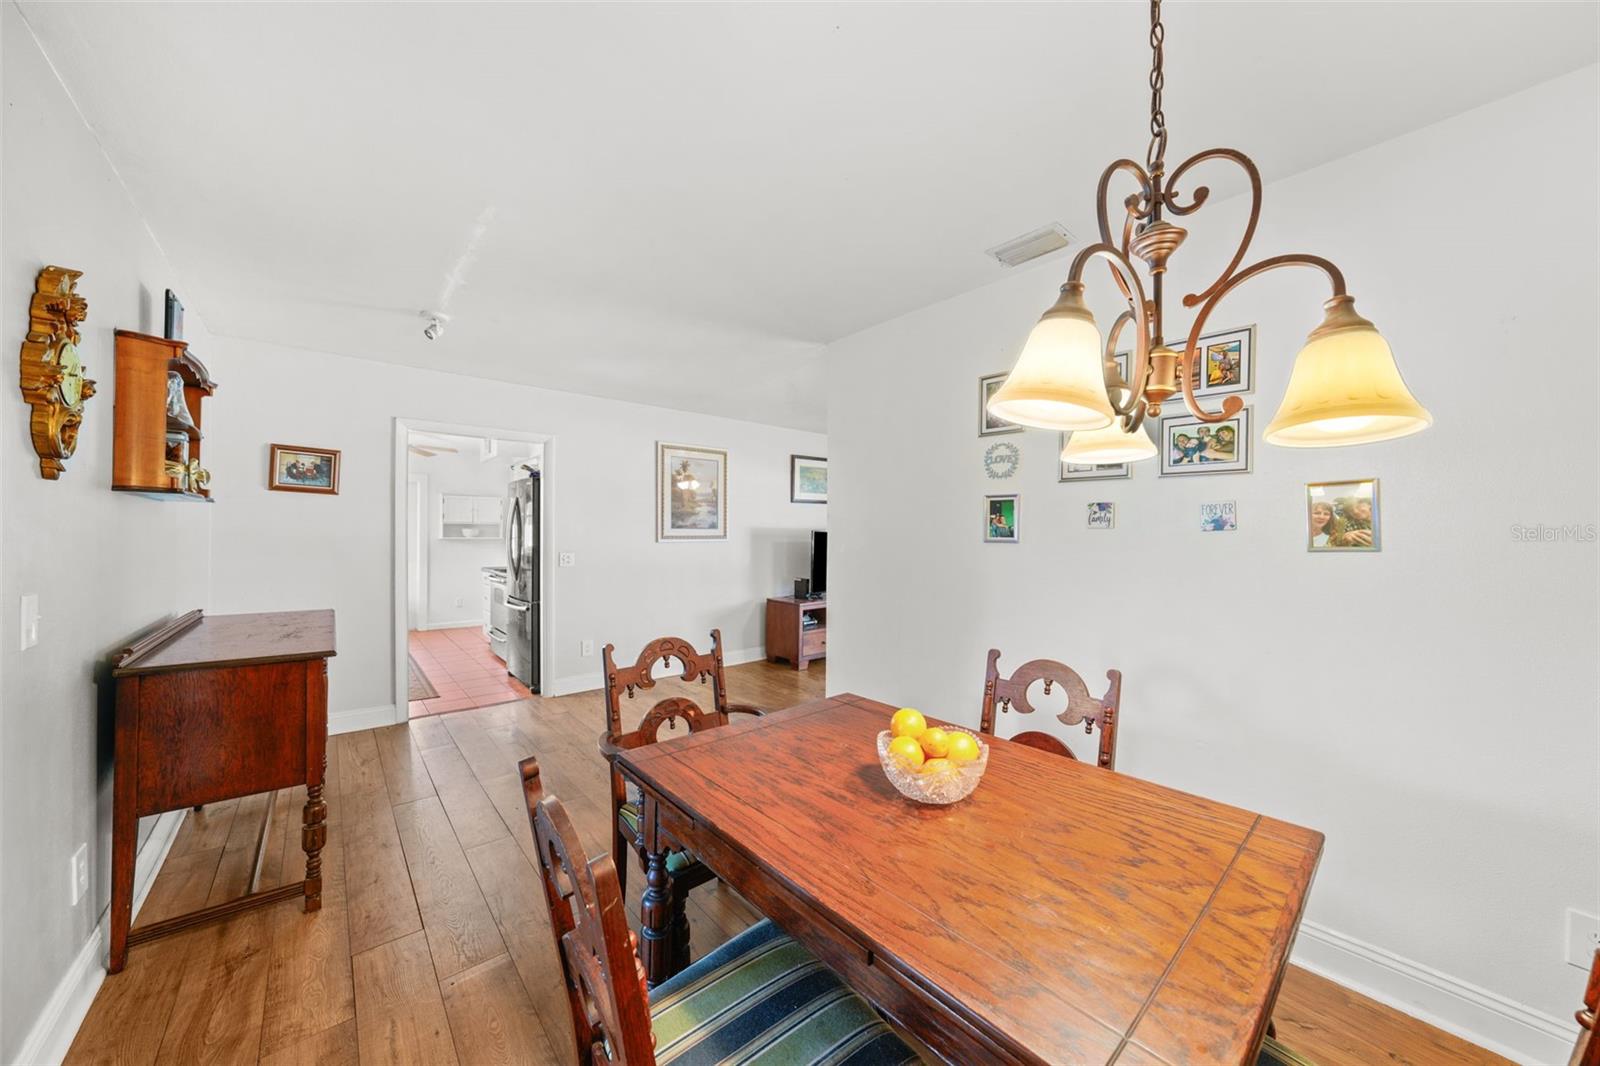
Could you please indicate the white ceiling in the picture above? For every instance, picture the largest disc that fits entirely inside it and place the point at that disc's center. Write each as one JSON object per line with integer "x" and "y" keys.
{"x": 680, "y": 203}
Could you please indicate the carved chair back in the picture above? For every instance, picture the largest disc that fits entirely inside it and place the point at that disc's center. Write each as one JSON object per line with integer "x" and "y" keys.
{"x": 623, "y": 681}
{"x": 1587, "y": 1050}
{"x": 1011, "y": 693}
{"x": 599, "y": 956}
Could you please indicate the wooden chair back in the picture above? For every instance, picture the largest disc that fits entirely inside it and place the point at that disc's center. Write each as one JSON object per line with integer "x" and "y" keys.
{"x": 1587, "y": 1050}
{"x": 599, "y": 955}
{"x": 624, "y": 681}
{"x": 1011, "y": 693}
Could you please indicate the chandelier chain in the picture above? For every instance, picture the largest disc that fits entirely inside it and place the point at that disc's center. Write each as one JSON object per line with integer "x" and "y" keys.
{"x": 1158, "y": 33}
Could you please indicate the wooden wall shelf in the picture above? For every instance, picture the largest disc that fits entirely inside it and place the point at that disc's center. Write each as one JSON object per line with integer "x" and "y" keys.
{"x": 141, "y": 455}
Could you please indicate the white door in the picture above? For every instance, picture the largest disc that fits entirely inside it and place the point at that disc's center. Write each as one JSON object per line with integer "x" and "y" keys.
{"x": 416, "y": 552}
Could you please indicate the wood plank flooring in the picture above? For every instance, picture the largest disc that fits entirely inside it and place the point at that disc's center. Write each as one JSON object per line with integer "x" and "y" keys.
{"x": 433, "y": 945}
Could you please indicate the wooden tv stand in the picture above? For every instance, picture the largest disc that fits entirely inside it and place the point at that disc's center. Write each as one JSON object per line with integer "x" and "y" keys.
{"x": 788, "y": 639}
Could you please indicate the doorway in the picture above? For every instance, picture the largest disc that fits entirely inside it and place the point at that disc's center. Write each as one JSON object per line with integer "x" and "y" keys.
{"x": 457, "y": 522}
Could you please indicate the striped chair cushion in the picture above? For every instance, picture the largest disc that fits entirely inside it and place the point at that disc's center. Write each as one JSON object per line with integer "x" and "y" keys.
{"x": 1276, "y": 1054}
{"x": 762, "y": 998}
{"x": 676, "y": 861}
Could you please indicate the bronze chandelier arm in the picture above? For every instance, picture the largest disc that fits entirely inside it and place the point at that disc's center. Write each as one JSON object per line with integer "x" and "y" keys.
{"x": 1138, "y": 205}
{"x": 1231, "y": 405}
{"x": 1169, "y": 199}
{"x": 1132, "y": 398}
{"x": 1127, "y": 278}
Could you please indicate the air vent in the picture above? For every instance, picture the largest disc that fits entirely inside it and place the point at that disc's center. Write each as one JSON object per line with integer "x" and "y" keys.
{"x": 1031, "y": 246}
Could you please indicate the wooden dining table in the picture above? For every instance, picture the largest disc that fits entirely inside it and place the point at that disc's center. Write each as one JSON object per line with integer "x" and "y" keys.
{"x": 1061, "y": 913}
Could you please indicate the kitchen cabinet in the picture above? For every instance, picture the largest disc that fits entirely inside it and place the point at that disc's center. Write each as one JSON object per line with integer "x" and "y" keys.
{"x": 469, "y": 517}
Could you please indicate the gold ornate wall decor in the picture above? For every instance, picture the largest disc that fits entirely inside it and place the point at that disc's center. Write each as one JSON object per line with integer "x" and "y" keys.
{"x": 52, "y": 376}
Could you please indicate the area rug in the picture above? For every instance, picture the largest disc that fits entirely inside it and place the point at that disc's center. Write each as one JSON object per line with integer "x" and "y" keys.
{"x": 421, "y": 687}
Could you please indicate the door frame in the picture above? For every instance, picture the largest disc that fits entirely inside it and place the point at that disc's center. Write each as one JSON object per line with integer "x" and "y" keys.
{"x": 421, "y": 532}
{"x": 401, "y": 465}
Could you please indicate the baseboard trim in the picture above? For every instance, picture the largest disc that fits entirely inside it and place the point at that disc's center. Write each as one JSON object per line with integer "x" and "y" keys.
{"x": 51, "y": 1036}
{"x": 463, "y": 624}
{"x": 573, "y": 683}
{"x": 1488, "y": 1019}
{"x": 359, "y": 718}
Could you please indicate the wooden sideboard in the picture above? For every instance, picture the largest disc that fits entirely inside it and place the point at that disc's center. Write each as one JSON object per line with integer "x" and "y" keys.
{"x": 787, "y": 636}
{"x": 216, "y": 708}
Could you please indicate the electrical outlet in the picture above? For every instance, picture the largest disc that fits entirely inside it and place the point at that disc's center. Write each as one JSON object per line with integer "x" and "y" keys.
{"x": 588, "y": 647}
{"x": 567, "y": 559}
{"x": 30, "y": 620}
{"x": 80, "y": 874}
{"x": 1583, "y": 937}
{"x": 460, "y": 602}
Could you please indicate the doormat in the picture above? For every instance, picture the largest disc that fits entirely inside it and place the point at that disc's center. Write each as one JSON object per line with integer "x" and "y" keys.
{"x": 421, "y": 687}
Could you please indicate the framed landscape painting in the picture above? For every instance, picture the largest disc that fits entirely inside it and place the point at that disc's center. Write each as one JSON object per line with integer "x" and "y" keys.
{"x": 808, "y": 479}
{"x": 691, "y": 493}
{"x": 296, "y": 469}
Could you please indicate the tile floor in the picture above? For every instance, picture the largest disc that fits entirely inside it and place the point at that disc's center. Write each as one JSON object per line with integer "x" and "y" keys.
{"x": 463, "y": 671}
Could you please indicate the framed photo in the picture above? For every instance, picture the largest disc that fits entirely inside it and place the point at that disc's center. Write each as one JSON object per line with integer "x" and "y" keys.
{"x": 1102, "y": 515}
{"x": 989, "y": 425}
{"x": 1226, "y": 363}
{"x": 172, "y": 328}
{"x": 808, "y": 479}
{"x": 691, "y": 493}
{"x": 1190, "y": 446}
{"x": 1089, "y": 471}
{"x": 296, "y": 469}
{"x": 1342, "y": 516}
{"x": 1000, "y": 519}
{"x": 1219, "y": 517}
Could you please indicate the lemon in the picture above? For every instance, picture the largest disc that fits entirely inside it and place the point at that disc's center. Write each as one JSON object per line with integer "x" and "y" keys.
{"x": 936, "y": 766}
{"x": 908, "y": 722}
{"x": 907, "y": 750}
{"x": 935, "y": 743}
{"x": 963, "y": 748}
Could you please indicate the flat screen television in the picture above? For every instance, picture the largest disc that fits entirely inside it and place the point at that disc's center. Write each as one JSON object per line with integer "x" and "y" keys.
{"x": 819, "y": 562}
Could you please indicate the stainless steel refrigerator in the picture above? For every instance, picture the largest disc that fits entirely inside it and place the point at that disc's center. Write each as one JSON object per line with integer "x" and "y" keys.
{"x": 522, "y": 581}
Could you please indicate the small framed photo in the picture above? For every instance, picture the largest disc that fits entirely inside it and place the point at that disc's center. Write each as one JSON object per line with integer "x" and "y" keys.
{"x": 1219, "y": 517}
{"x": 1342, "y": 516}
{"x": 1102, "y": 515}
{"x": 1000, "y": 519}
{"x": 296, "y": 469}
{"x": 1089, "y": 471}
{"x": 1225, "y": 363}
{"x": 1190, "y": 446}
{"x": 989, "y": 425}
{"x": 691, "y": 493}
{"x": 808, "y": 479}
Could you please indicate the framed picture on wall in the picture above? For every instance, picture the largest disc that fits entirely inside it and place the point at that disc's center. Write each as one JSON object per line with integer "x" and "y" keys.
{"x": 988, "y": 424}
{"x": 296, "y": 469}
{"x": 1342, "y": 516}
{"x": 1102, "y": 515}
{"x": 808, "y": 479}
{"x": 1225, "y": 362}
{"x": 1190, "y": 446}
{"x": 691, "y": 493}
{"x": 1000, "y": 519}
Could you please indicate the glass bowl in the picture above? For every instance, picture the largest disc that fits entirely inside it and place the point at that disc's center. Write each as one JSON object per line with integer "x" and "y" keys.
{"x": 938, "y": 788}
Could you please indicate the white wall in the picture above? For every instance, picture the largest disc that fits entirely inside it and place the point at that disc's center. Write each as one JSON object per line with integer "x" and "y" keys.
{"x": 105, "y": 565}
{"x": 455, "y": 567}
{"x": 1432, "y": 708}
{"x": 282, "y": 550}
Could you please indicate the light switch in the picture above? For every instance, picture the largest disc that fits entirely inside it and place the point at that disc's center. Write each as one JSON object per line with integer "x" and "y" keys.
{"x": 567, "y": 559}
{"x": 30, "y": 620}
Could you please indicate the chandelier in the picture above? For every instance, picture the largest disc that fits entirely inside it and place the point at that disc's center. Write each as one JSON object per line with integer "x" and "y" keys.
{"x": 1344, "y": 389}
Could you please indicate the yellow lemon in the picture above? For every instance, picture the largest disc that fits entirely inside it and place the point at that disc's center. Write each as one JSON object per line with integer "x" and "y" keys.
{"x": 935, "y": 743}
{"x": 907, "y": 750}
{"x": 908, "y": 722}
{"x": 934, "y": 766}
{"x": 963, "y": 748}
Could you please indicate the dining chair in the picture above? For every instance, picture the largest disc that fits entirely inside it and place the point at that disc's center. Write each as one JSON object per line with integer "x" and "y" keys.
{"x": 761, "y": 996}
{"x": 1587, "y": 1050}
{"x": 622, "y": 682}
{"x": 1011, "y": 693}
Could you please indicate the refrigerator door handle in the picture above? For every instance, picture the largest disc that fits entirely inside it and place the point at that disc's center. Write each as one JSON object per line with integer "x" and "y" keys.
{"x": 513, "y": 605}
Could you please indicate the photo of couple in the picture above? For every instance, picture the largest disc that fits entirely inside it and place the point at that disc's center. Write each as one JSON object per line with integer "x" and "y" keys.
{"x": 1342, "y": 516}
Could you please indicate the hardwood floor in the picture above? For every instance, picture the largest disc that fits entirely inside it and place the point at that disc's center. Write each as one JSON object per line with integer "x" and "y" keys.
{"x": 433, "y": 947}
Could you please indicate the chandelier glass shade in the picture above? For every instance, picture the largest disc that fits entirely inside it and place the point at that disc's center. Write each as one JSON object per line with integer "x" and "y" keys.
{"x": 1344, "y": 389}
